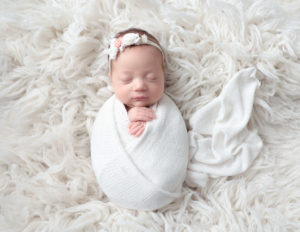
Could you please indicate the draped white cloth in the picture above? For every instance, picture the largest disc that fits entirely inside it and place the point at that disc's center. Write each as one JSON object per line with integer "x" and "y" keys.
{"x": 220, "y": 142}
{"x": 148, "y": 172}
{"x": 145, "y": 172}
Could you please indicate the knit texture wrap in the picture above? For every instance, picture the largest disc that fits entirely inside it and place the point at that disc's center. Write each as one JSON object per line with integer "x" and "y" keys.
{"x": 145, "y": 172}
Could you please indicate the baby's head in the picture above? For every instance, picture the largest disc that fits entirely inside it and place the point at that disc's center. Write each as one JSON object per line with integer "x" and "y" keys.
{"x": 136, "y": 68}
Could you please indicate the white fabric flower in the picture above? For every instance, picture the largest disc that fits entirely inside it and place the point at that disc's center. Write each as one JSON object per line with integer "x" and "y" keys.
{"x": 130, "y": 39}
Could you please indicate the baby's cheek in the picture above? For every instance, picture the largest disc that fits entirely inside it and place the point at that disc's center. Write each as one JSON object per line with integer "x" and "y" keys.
{"x": 159, "y": 91}
{"x": 122, "y": 93}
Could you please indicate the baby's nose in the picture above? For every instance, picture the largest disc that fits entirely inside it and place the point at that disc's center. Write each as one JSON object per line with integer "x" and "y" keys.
{"x": 139, "y": 84}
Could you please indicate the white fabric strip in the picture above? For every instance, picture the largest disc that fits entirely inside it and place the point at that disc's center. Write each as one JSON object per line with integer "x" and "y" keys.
{"x": 220, "y": 142}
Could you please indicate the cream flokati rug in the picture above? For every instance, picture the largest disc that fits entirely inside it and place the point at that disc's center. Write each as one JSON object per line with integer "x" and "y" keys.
{"x": 54, "y": 80}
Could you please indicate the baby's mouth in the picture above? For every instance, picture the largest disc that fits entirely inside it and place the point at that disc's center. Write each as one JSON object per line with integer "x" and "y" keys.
{"x": 140, "y": 98}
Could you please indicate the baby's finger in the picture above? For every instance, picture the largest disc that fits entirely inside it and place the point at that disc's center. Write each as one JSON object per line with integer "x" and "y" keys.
{"x": 141, "y": 114}
{"x": 134, "y": 124}
{"x": 131, "y": 125}
{"x": 146, "y": 114}
{"x": 135, "y": 127}
{"x": 140, "y": 131}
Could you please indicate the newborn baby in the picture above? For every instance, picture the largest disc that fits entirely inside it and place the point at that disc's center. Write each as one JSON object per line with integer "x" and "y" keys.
{"x": 137, "y": 76}
{"x": 139, "y": 144}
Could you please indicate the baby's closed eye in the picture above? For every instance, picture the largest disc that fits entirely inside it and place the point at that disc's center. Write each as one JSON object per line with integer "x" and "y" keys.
{"x": 126, "y": 79}
{"x": 151, "y": 77}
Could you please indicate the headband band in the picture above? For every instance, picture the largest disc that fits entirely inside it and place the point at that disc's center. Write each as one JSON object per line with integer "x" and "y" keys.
{"x": 119, "y": 44}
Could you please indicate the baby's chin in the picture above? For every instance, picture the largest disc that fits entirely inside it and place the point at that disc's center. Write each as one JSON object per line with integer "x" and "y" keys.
{"x": 148, "y": 102}
{"x": 140, "y": 104}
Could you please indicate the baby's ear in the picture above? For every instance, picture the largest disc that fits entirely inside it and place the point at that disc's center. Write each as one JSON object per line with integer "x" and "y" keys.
{"x": 110, "y": 73}
{"x": 110, "y": 70}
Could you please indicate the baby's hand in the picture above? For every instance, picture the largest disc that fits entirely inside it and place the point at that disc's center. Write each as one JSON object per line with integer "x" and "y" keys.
{"x": 137, "y": 128}
{"x": 141, "y": 114}
{"x": 138, "y": 117}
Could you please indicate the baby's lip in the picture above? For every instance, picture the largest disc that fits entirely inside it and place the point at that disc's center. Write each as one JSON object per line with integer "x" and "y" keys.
{"x": 140, "y": 98}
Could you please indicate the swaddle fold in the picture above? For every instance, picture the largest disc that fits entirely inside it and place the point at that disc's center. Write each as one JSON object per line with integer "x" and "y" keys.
{"x": 145, "y": 172}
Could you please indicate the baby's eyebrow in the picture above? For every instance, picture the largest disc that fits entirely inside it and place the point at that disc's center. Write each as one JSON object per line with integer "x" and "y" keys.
{"x": 126, "y": 72}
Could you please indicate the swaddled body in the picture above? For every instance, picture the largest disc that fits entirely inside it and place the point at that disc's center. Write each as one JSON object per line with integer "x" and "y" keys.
{"x": 139, "y": 145}
{"x": 145, "y": 172}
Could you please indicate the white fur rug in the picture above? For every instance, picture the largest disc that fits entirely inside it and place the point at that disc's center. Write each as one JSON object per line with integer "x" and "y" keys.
{"x": 54, "y": 80}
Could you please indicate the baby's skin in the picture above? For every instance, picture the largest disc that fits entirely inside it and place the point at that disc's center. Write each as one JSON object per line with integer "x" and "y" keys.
{"x": 138, "y": 81}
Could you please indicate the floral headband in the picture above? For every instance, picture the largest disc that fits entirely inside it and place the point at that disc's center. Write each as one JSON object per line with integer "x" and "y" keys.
{"x": 119, "y": 44}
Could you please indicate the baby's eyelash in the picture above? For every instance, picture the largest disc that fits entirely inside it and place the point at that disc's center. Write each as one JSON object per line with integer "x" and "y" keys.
{"x": 126, "y": 79}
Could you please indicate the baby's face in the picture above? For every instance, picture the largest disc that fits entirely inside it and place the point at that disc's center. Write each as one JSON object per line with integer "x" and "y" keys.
{"x": 138, "y": 76}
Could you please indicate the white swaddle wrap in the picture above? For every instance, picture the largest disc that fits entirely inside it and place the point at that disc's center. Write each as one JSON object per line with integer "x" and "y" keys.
{"x": 145, "y": 172}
